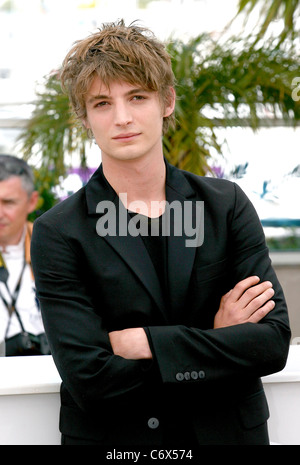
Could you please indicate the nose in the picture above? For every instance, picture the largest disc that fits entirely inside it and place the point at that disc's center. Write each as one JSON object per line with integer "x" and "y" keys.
{"x": 123, "y": 116}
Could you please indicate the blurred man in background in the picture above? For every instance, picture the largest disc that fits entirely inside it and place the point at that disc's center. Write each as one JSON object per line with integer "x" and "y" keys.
{"x": 20, "y": 319}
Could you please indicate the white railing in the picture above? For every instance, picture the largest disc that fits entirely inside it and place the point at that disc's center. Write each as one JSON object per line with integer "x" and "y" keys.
{"x": 29, "y": 401}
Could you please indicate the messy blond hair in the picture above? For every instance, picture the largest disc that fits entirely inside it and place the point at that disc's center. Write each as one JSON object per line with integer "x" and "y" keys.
{"x": 118, "y": 53}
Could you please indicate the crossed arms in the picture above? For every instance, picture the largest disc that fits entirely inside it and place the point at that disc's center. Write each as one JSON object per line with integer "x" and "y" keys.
{"x": 250, "y": 336}
{"x": 248, "y": 302}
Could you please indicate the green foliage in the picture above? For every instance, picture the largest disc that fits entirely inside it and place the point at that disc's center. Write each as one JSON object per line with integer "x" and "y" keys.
{"x": 289, "y": 242}
{"x": 52, "y": 133}
{"x": 272, "y": 10}
{"x": 238, "y": 83}
{"x": 45, "y": 181}
{"x": 144, "y": 3}
{"x": 226, "y": 84}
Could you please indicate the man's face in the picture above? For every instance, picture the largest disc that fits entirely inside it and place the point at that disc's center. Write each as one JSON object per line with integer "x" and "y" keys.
{"x": 15, "y": 205}
{"x": 126, "y": 120}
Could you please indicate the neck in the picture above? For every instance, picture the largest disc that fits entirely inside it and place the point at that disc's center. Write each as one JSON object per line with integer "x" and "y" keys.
{"x": 139, "y": 184}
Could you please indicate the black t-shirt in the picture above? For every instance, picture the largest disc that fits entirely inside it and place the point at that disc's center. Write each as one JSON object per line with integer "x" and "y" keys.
{"x": 156, "y": 244}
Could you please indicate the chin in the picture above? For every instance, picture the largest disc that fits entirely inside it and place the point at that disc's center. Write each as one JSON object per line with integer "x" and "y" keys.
{"x": 127, "y": 157}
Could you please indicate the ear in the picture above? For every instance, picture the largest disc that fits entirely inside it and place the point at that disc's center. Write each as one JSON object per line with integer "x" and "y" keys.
{"x": 33, "y": 200}
{"x": 170, "y": 106}
{"x": 86, "y": 123}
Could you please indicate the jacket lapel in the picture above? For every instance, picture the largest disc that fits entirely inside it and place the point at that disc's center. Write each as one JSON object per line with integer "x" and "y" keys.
{"x": 180, "y": 256}
{"x": 130, "y": 249}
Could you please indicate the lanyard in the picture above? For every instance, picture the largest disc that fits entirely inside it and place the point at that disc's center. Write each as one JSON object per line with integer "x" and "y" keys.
{"x": 11, "y": 307}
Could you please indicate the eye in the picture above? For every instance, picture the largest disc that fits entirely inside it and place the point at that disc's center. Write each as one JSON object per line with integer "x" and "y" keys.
{"x": 9, "y": 202}
{"x": 101, "y": 104}
{"x": 138, "y": 97}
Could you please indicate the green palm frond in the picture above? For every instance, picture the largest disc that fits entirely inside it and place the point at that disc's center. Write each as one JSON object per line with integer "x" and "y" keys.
{"x": 228, "y": 84}
{"x": 52, "y": 133}
{"x": 217, "y": 84}
{"x": 271, "y": 10}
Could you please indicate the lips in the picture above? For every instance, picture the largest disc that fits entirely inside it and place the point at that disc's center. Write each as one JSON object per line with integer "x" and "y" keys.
{"x": 126, "y": 136}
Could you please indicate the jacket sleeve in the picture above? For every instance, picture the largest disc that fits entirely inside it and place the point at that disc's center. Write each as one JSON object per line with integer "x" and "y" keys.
{"x": 77, "y": 337}
{"x": 242, "y": 350}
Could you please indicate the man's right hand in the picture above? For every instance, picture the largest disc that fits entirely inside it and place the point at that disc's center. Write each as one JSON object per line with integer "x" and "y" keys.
{"x": 248, "y": 302}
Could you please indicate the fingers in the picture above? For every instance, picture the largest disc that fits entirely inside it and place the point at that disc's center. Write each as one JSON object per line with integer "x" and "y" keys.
{"x": 249, "y": 291}
{"x": 261, "y": 312}
{"x": 259, "y": 296}
{"x": 256, "y": 296}
{"x": 242, "y": 286}
{"x": 248, "y": 301}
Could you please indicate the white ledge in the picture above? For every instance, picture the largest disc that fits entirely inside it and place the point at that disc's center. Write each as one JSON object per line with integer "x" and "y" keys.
{"x": 28, "y": 375}
{"x": 29, "y": 388}
{"x": 291, "y": 371}
{"x": 38, "y": 374}
{"x": 285, "y": 258}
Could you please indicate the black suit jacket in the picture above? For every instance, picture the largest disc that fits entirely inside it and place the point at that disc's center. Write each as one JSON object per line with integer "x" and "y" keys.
{"x": 202, "y": 380}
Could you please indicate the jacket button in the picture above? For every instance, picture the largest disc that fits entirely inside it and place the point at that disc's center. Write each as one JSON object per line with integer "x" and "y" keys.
{"x": 153, "y": 423}
{"x": 179, "y": 376}
{"x": 201, "y": 374}
{"x": 187, "y": 375}
{"x": 194, "y": 375}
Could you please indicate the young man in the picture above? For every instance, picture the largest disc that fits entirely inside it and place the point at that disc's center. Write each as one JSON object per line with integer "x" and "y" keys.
{"x": 159, "y": 339}
{"x": 19, "y": 311}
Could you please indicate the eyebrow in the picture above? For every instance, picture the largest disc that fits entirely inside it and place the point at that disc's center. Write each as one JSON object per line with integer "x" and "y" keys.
{"x": 92, "y": 98}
